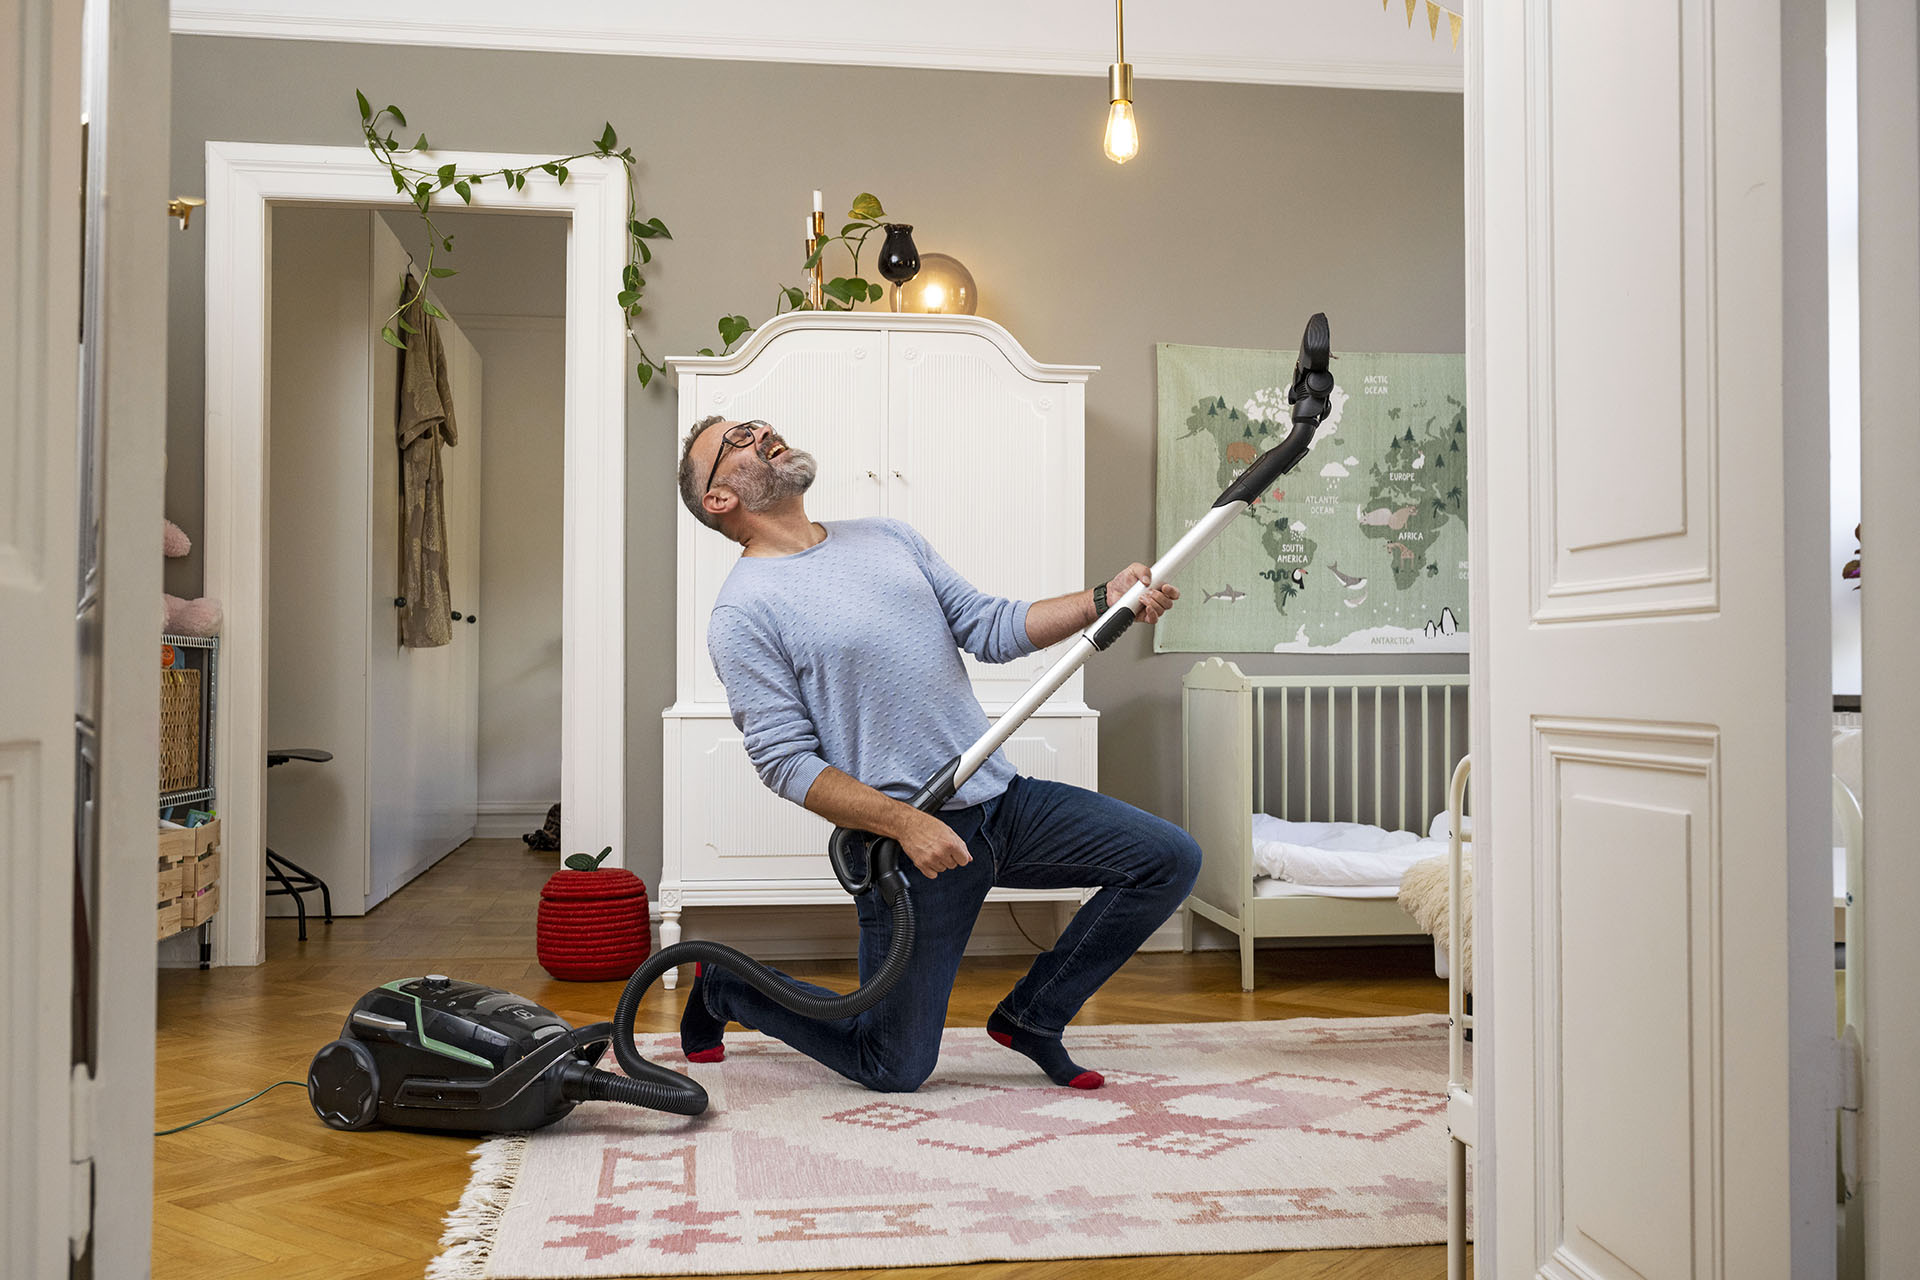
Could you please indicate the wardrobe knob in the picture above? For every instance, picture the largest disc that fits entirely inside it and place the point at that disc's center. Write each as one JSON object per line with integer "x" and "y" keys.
{"x": 399, "y": 602}
{"x": 473, "y": 617}
{"x": 456, "y": 615}
{"x": 873, "y": 475}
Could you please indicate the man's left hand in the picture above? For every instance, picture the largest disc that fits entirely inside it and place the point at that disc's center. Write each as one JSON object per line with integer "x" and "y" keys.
{"x": 1156, "y": 600}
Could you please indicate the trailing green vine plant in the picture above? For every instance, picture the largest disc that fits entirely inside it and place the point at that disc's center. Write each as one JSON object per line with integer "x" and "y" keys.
{"x": 420, "y": 185}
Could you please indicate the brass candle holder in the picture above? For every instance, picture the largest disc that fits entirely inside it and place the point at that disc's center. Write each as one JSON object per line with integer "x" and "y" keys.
{"x": 816, "y": 283}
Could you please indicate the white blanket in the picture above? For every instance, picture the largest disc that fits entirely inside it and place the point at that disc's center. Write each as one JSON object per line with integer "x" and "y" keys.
{"x": 1346, "y": 854}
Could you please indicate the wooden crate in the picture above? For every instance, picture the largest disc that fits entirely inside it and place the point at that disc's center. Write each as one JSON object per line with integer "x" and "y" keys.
{"x": 179, "y": 730}
{"x": 174, "y": 876}
{"x": 173, "y": 879}
{"x": 206, "y": 856}
{"x": 198, "y": 908}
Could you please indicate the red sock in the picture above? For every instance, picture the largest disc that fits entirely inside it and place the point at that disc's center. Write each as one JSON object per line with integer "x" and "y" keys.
{"x": 1048, "y": 1054}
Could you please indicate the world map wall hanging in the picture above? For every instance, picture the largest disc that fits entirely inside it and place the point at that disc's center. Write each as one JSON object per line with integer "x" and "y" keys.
{"x": 1362, "y": 548}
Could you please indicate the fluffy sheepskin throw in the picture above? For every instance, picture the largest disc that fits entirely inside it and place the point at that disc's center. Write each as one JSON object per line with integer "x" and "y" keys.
{"x": 1423, "y": 895}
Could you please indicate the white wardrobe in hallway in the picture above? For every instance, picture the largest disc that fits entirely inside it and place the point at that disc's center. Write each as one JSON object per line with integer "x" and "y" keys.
{"x": 402, "y": 724}
{"x": 945, "y": 422}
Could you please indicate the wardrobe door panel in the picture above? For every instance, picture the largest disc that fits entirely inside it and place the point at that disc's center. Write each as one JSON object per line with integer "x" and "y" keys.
{"x": 981, "y": 461}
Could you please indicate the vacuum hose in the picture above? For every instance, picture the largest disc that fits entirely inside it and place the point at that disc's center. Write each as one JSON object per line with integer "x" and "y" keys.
{"x": 654, "y": 1086}
{"x": 650, "y": 1085}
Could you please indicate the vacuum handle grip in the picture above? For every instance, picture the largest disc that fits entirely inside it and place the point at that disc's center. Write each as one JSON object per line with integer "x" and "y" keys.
{"x": 884, "y": 852}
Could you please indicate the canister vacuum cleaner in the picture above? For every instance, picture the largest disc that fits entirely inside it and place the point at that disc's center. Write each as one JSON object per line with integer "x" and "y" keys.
{"x": 434, "y": 1052}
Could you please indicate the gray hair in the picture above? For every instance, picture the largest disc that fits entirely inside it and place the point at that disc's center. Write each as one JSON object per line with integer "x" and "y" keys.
{"x": 689, "y": 477}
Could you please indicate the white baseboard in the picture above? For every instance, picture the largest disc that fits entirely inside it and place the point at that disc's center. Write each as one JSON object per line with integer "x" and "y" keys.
{"x": 508, "y": 819}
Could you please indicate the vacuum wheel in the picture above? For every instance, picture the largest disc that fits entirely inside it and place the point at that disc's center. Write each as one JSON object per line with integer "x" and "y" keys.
{"x": 343, "y": 1084}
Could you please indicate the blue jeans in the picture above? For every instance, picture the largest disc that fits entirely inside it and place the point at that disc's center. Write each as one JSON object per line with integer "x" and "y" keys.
{"x": 1034, "y": 835}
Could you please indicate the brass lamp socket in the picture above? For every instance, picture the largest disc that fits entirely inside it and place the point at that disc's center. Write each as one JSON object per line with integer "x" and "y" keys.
{"x": 1120, "y": 82}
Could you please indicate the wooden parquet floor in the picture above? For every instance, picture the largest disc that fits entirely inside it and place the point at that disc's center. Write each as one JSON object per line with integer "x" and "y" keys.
{"x": 269, "y": 1191}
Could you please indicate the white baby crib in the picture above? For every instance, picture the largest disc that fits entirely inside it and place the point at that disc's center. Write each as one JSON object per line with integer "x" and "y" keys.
{"x": 1374, "y": 749}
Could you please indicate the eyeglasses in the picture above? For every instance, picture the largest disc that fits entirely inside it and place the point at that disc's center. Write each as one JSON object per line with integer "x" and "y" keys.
{"x": 737, "y": 436}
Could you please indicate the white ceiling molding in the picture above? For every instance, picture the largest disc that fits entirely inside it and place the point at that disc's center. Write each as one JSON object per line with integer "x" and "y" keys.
{"x": 1332, "y": 43}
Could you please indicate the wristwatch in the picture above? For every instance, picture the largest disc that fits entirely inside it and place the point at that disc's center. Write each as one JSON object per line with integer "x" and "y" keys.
{"x": 1100, "y": 601}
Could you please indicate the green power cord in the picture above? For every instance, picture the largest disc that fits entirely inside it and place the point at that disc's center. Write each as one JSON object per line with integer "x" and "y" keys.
{"x": 161, "y": 1133}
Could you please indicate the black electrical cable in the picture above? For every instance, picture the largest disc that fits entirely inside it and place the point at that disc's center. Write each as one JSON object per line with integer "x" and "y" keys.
{"x": 161, "y": 1133}
{"x": 1015, "y": 917}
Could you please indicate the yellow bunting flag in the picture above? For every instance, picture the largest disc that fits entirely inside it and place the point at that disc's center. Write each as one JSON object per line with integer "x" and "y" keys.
{"x": 1453, "y": 25}
{"x": 1433, "y": 20}
{"x": 1411, "y": 6}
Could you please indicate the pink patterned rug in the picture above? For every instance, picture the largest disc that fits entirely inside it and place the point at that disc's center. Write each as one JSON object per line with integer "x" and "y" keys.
{"x": 1218, "y": 1137}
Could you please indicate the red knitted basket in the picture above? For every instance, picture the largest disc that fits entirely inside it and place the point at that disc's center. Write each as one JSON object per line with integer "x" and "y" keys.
{"x": 593, "y": 925}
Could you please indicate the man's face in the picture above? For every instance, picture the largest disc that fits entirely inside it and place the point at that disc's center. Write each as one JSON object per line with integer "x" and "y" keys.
{"x": 761, "y": 473}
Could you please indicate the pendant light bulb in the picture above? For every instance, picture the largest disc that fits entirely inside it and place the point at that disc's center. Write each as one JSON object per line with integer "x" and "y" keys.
{"x": 1123, "y": 138}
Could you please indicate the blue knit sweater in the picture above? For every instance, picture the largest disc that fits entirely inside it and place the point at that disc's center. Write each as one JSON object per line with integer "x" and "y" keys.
{"x": 845, "y": 654}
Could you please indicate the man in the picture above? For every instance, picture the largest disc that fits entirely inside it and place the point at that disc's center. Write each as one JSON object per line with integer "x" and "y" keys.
{"x": 837, "y": 646}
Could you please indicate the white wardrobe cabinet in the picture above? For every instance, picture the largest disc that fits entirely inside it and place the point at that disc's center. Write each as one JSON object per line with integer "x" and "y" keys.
{"x": 942, "y": 421}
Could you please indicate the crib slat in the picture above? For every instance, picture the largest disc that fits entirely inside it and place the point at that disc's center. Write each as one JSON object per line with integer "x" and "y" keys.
{"x": 1333, "y": 760}
{"x": 1403, "y": 758}
{"x": 1426, "y": 771}
{"x": 1306, "y": 745}
{"x": 1353, "y": 725}
{"x": 1379, "y": 696}
{"x": 1286, "y": 752}
{"x": 1260, "y": 750}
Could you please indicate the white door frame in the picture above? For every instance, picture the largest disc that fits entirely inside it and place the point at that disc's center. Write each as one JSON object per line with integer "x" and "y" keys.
{"x": 1889, "y": 105}
{"x": 130, "y": 88}
{"x": 244, "y": 181}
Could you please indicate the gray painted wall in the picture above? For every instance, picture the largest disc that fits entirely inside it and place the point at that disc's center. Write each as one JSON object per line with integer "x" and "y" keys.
{"x": 1248, "y": 208}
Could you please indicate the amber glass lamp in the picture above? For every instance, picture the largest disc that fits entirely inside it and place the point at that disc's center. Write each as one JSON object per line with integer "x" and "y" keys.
{"x": 942, "y": 287}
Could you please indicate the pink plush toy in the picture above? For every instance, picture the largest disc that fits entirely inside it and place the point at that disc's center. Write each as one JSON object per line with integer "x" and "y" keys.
{"x": 197, "y": 617}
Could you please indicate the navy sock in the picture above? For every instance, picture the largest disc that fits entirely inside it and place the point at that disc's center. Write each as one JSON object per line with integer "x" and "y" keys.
{"x": 1048, "y": 1053}
{"x": 700, "y": 1031}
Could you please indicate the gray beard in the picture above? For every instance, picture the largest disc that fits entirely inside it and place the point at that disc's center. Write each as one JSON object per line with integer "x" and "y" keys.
{"x": 768, "y": 484}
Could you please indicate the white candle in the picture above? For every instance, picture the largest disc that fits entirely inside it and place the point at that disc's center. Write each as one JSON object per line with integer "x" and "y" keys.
{"x": 808, "y": 220}
{"x": 817, "y": 206}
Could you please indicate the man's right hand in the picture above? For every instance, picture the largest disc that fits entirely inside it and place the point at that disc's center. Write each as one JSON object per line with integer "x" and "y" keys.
{"x": 932, "y": 845}
{"x": 929, "y": 843}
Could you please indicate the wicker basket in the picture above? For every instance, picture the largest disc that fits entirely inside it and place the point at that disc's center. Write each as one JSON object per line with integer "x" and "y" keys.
{"x": 179, "y": 730}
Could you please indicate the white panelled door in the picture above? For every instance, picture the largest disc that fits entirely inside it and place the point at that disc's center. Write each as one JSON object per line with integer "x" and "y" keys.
{"x": 1632, "y": 656}
{"x": 978, "y": 458}
{"x": 43, "y": 1193}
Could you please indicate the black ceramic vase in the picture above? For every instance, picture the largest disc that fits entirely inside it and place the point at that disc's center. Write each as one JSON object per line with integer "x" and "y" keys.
{"x": 899, "y": 260}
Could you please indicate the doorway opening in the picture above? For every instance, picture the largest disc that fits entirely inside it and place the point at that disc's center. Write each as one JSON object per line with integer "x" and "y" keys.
{"x": 246, "y": 185}
{"x": 393, "y": 743}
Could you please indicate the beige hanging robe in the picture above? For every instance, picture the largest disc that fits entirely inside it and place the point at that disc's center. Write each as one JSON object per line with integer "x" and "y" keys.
{"x": 425, "y": 422}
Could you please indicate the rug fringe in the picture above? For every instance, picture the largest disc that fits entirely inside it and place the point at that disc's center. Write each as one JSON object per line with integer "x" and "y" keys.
{"x": 470, "y": 1228}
